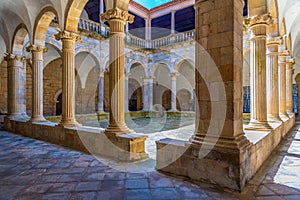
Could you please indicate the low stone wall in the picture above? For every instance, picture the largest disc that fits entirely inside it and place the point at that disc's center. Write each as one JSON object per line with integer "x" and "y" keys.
{"x": 229, "y": 168}
{"x": 126, "y": 147}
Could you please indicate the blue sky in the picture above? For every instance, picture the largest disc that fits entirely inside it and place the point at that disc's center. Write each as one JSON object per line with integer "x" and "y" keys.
{"x": 151, "y": 3}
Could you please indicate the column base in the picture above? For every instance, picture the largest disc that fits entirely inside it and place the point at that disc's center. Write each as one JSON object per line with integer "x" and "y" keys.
{"x": 258, "y": 126}
{"x": 117, "y": 130}
{"x": 284, "y": 117}
{"x": 38, "y": 119}
{"x": 16, "y": 116}
{"x": 69, "y": 123}
{"x": 220, "y": 164}
{"x": 274, "y": 119}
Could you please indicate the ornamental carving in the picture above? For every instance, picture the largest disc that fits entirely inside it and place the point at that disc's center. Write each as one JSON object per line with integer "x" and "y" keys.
{"x": 68, "y": 35}
{"x": 36, "y": 48}
{"x": 265, "y": 19}
{"x": 11, "y": 57}
{"x": 274, "y": 40}
{"x": 117, "y": 13}
{"x": 291, "y": 61}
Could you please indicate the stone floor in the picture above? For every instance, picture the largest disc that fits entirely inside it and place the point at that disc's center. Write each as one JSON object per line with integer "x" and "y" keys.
{"x": 31, "y": 169}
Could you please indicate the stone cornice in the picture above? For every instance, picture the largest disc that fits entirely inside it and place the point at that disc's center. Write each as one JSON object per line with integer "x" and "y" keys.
{"x": 68, "y": 35}
{"x": 36, "y": 48}
{"x": 117, "y": 13}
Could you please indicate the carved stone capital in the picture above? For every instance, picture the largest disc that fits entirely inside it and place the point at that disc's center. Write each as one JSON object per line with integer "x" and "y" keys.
{"x": 284, "y": 53}
{"x": 36, "y": 48}
{"x": 68, "y": 35}
{"x": 291, "y": 61}
{"x": 257, "y": 20}
{"x": 13, "y": 57}
{"x": 274, "y": 40}
{"x": 117, "y": 13}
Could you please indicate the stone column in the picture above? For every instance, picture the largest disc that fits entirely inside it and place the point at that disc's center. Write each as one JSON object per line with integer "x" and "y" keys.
{"x": 258, "y": 27}
{"x": 101, "y": 8}
{"x": 15, "y": 99}
{"x": 150, "y": 94}
{"x": 37, "y": 82}
{"x": 117, "y": 19}
{"x": 126, "y": 93}
{"x": 148, "y": 33}
{"x": 282, "y": 84}
{"x": 146, "y": 89}
{"x": 127, "y": 27}
{"x": 100, "y": 107}
{"x": 173, "y": 25}
{"x": 68, "y": 77}
{"x": 174, "y": 91}
{"x": 272, "y": 79}
{"x": 289, "y": 85}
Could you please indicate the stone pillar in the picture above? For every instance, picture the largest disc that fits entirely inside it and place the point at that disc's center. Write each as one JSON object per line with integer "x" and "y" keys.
{"x": 100, "y": 107}
{"x": 127, "y": 27}
{"x": 126, "y": 93}
{"x": 258, "y": 27}
{"x": 68, "y": 77}
{"x": 219, "y": 143}
{"x": 37, "y": 82}
{"x": 150, "y": 94}
{"x": 174, "y": 91}
{"x": 101, "y": 8}
{"x": 148, "y": 33}
{"x": 289, "y": 85}
{"x": 16, "y": 82}
{"x": 272, "y": 79}
{"x": 282, "y": 84}
{"x": 173, "y": 22}
{"x": 117, "y": 19}
{"x": 146, "y": 89}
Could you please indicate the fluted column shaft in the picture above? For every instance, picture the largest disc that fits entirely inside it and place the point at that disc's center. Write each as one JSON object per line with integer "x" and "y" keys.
{"x": 68, "y": 77}
{"x": 37, "y": 82}
{"x": 146, "y": 94}
{"x": 117, "y": 19}
{"x": 100, "y": 105}
{"x": 150, "y": 94}
{"x": 282, "y": 84}
{"x": 289, "y": 85}
{"x": 173, "y": 92}
{"x": 258, "y": 28}
{"x": 15, "y": 86}
{"x": 126, "y": 94}
{"x": 272, "y": 79}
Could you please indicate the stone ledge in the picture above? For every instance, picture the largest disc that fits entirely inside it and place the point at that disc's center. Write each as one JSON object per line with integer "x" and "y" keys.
{"x": 91, "y": 140}
{"x": 227, "y": 168}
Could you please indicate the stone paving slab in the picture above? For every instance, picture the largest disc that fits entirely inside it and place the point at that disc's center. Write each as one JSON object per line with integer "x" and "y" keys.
{"x": 31, "y": 169}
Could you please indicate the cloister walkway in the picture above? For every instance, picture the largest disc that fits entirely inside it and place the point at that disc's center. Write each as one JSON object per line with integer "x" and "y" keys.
{"x": 31, "y": 169}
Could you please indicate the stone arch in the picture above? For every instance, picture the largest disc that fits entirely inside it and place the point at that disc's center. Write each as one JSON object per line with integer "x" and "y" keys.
{"x": 42, "y": 23}
{"x": 84, "y": 65}
{"x": 162, "y": 86}
{"x": 257, "y": 7}
{"x": 19, "y": 38}
{"x": 179, "y": 64}
{"x": 73, "y": 11}
{"x": 133, "y": 63}
{"x": 52, "y": 53}
{"x": 135, "y": 95}
{"x": 58, "y": 102}
{"x": 273, "y": 10}
{"x": 156, "y": 65}
{"x": 184, "y": 100}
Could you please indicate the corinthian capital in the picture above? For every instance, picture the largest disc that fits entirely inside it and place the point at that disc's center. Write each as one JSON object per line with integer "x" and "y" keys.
{"x": 274, "y": 40}
{"x": 36, "y": 48}
{"x": 68, "y": 35}
{"x": 117, "y": 13}
{"x": 265, "y": 19}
